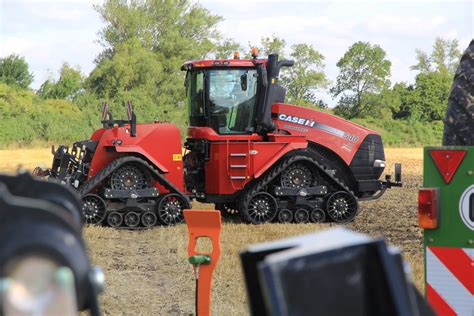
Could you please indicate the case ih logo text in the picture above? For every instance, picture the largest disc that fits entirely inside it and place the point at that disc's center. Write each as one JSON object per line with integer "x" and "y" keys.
{"x": 311, "y": 123}
{"x": 296, "y": 120}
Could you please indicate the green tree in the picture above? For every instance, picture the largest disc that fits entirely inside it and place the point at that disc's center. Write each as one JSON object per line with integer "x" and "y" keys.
{"x": 425, "y": 100}
{"x": 145, "y": 43}
{"x": 306, "y": 76}
{"x": 443, "y": 58}
{"x": 68, "y": 85}
{"x": 14, "y": 70}
{"x": 172, "y": 29}
{"x": 269, "y": 45}
{"x": 131, "y": 67}
{"x": 273, "y": 45}
{"x": 363, "y": 69}
{"x": 225, "y": 49}
{"x": 403, "y": 98}
{"x": 428, "y": 97}
{"x": 431, "y": 94}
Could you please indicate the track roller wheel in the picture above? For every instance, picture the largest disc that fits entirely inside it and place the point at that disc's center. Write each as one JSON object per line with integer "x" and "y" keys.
{"x": 298, "y": 175}
{"x": 115, "y": 219}
{"x": 130, "y": 176}
{"x": 301, "y": 216}
{"x": 261, "y": 208}
{"x": 170, "y": 209}
{"x": 317, "y": 215}
{"x": 285, "y": 216}
{"x": 149, "y": 219}
{"x": 93, "y": 209}
{"x": 341, "y": 207}
{"x": 131, "y": 219}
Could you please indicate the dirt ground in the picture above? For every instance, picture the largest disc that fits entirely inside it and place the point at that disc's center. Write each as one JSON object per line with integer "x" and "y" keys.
{"x": 147, "y": 272}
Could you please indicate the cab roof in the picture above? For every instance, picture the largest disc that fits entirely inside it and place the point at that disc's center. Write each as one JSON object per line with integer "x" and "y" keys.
{"x": 210, "y": 63}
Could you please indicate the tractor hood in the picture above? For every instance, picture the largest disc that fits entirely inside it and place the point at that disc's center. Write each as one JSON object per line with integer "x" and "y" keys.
{"x": 343, "y": 136}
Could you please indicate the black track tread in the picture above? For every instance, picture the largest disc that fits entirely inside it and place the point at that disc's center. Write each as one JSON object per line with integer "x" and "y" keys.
{"x": 459, "y": 120}
{"x": 90, "y": 184}
{"x": 274, "y": 172}
{"x": 96, "y": 180}
{"x": 340, "y": 167}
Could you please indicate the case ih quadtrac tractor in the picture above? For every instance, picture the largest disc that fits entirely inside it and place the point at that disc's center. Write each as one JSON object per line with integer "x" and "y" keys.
{"x": 247, "y": 151}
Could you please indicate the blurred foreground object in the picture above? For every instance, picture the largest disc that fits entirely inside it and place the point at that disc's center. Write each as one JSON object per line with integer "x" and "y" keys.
{"x": 44, "y": 267}
{"x": 446, "y": 213}
{"x": 459, "y": 121}
{"x": 203, "y": 224}
{"x": 446, "y": 202}
{"x": 332, "y": 272}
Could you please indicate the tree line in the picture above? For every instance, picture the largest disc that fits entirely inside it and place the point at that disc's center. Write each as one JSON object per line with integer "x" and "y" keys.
{"x": 146, "y": 41}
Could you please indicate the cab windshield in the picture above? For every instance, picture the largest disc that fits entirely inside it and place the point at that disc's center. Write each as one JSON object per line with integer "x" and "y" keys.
{"x": 223, "y": 99}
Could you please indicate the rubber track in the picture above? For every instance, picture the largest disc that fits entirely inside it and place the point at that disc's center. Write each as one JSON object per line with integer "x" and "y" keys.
{"x": 96, "y": 180}
{"x": 93, "y": 182}
{"x": 274, "y": 172}
{"x": 337, "y": 164}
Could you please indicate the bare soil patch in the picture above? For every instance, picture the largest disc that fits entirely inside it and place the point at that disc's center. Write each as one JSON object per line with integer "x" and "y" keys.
{"x": 147, "y": 272}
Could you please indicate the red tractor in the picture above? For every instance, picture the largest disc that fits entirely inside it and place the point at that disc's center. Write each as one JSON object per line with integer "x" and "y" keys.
{"x": 247, "y": 151}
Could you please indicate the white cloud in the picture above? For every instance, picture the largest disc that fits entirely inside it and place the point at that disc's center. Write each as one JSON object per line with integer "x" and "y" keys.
{"x": 91, "y": 2}
{"x": 404, "y": 26}
{"x": 61, "y": 13}
{"x": 9, "y": 45}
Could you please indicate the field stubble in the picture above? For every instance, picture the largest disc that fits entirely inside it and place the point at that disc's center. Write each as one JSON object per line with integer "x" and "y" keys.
{"x": 147, "y": 271}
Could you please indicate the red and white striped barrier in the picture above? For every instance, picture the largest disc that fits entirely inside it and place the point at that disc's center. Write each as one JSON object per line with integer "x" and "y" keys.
{"x": 450, "y": 280}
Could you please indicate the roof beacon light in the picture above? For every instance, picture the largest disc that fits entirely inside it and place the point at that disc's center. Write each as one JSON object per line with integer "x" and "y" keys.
{"x": 236, "y": 55}
{"x": 254, "y": 52}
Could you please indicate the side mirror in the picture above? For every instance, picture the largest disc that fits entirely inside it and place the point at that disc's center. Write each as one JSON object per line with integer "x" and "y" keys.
{"x": 243, "y": 82}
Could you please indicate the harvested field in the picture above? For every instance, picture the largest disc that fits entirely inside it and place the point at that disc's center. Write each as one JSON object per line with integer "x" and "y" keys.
{"x": 147, "y": 271}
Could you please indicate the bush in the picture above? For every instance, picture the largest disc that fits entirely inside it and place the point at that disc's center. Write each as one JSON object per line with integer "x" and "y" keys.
{"x": 405, "y": 133}
{"x": 26, "y": 119}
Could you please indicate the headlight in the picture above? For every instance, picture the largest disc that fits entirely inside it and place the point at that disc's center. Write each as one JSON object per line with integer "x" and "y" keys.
{"x": 379, "y": 163}
{"x": 37, "y": 285}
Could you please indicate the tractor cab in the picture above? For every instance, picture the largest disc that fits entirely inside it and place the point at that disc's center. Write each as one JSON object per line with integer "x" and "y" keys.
{"x": 223, "y": 99}
{"x": 233, "y": 96}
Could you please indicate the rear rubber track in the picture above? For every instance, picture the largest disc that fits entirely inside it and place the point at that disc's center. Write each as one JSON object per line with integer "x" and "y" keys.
{"x": 97, "y": 179}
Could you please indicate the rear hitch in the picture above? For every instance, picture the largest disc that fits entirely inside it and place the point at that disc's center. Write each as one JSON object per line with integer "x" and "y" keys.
{"x": 398, "y": 178}
{"x": 387, "y": 184}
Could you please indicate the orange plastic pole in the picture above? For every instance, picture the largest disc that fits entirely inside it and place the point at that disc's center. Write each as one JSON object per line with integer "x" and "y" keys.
{"x": 204, "y": 223}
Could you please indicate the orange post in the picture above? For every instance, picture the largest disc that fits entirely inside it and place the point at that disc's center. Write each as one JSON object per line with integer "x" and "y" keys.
{"x": 203, "y": 223}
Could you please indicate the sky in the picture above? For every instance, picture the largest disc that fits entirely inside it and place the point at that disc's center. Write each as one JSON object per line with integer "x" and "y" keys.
{"x": 48, "y": 33}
